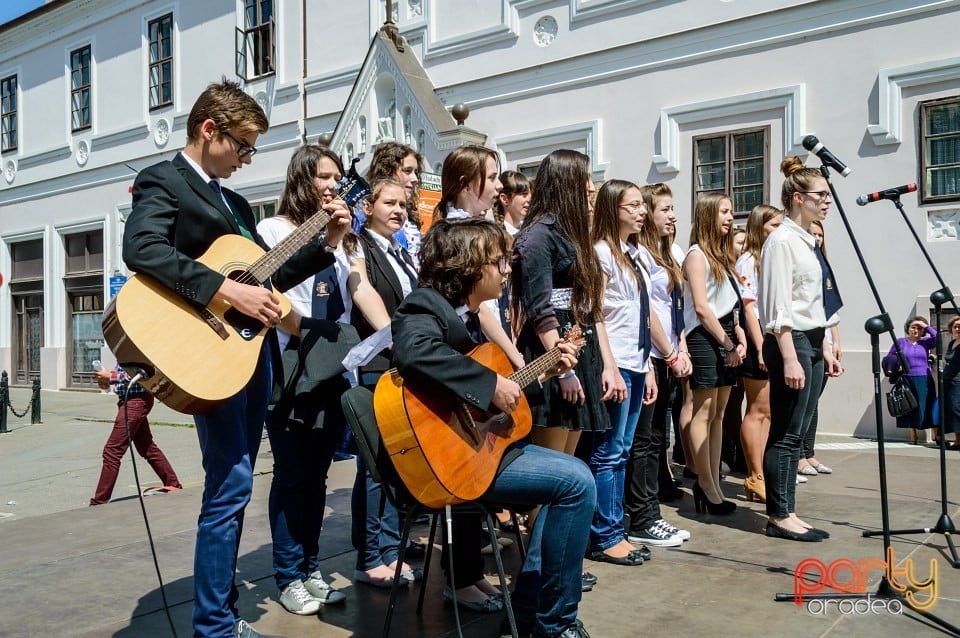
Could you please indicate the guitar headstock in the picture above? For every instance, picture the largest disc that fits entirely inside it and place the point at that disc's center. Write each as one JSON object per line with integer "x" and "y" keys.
{"x": 352, "y": 189}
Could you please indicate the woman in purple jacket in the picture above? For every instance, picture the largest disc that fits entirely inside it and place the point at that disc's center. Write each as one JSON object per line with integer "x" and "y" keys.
{"x": 916, "y": 346}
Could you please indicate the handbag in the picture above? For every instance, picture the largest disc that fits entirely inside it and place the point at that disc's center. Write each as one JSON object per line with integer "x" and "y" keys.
{"x": 900, "y": 399}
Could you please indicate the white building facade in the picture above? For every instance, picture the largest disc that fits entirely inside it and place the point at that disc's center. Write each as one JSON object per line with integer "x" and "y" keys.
{"x": 701, "y": 94}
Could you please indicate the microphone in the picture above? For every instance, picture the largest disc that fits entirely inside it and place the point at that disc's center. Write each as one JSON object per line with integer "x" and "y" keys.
{"x": 141, "y": 370}
{"x": 890, "y": 193}
{"x": 815, "y": 146}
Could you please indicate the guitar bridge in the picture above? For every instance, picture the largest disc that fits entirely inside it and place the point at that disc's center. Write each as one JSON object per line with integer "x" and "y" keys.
{"x": 215, "y": 323}
{"x": 469, "y": 423}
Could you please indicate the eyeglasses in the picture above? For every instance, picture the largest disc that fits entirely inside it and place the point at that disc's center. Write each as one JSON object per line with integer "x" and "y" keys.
{"x": 243, "y": 149}
{"x": 502, "y": 263}
{"x": 634, "y": 206}
{"x": 955, "y": 326}
{"x": 821, "y": 195}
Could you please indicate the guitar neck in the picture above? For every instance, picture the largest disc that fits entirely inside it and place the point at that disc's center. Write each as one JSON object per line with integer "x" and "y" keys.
{"x": 264, "y": 267}
{"x": 532, "y": 371}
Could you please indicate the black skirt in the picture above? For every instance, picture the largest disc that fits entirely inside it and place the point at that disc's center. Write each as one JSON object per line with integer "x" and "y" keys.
{"x": 710, "y": 369}
{"x": 550, "y": 409}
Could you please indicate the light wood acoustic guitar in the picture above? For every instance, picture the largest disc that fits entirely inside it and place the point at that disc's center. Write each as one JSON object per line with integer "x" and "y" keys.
{"x": 196, "y": 358}
{"x": 444, "y": 450}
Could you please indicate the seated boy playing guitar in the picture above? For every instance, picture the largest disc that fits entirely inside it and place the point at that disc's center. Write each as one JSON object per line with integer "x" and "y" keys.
{"x": 463, "y": 264}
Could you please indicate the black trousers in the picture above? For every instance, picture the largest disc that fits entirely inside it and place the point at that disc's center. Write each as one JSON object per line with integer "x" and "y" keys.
{"x": 641, "y": 504}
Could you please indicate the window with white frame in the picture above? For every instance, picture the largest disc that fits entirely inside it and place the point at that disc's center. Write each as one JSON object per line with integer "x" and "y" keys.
{"x": 256, "y": 41}
{"x": 263, "y": 210}
{"x": 735, "y": 163}
{"x": 161, "y": 61}
{"x": 8, "y": 113}
{"x": 80, "y": 88}
{"x": 940, "y": 150}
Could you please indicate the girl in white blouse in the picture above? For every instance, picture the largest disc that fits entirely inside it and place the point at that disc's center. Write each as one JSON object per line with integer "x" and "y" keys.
{"x": 794, "y": 319}
{"x": 714, "y": 338}
{"x": 763, "y": 220}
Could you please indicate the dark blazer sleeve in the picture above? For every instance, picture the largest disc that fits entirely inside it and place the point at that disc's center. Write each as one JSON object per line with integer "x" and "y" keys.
{"x": 162, "y": 204}
{"x": 422, "y": 335}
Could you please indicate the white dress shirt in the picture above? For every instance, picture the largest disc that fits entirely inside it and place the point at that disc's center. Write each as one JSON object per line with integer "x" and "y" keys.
{"x": 791, "y": 281}
{"x": 621, "y": 310}
{"x": 385, "y": 245}
{"x": 661, "y": 301}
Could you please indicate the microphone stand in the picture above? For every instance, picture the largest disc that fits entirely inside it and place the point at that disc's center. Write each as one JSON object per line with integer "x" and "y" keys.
{"x": 938, "y": 298}
{"x": 874, "y": 326}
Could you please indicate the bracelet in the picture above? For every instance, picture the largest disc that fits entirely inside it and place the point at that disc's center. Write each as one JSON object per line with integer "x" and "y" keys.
{"x": 567, "y": 375}
{"x": 672, "y": 360}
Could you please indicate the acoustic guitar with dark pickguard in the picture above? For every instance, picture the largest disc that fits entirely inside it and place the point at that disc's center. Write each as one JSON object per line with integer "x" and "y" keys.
{"x": 445, "y": 450}
{"x": 197, "y": 358}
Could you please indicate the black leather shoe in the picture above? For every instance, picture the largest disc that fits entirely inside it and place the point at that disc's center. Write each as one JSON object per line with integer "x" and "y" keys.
{"x": 632, "y": 559}
{"x": 824, "y": 534}
{"x": 776, "y": 531}
{"x": 589, "y": 578}
{"x": 415, "y": 550}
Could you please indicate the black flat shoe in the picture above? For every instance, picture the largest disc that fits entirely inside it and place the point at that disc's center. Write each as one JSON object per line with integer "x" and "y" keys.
{"x": 632, "y": 559}
{"x": 415, "y": 550}
{"x": 589, "y": 578}
{"x": 809, "y": 536}
{"x": 824, "y": 534}
{"x": 644, "y": 552}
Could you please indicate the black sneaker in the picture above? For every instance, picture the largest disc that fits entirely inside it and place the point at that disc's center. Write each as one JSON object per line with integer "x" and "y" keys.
{"x": 656, "y": 536}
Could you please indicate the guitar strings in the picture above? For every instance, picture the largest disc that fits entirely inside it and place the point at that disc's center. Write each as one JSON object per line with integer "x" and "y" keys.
{"x": 285, "y": 248}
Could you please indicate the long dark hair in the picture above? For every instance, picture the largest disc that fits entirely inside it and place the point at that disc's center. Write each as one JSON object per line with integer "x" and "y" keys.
{"x": 659, "y": 247}
{"x": 560, "y": 189}
{"x": 387, "y": 160}
{"x": 606, "y": 222}
{"x": 301, "y": 199}
{"x": 462, "y": 168}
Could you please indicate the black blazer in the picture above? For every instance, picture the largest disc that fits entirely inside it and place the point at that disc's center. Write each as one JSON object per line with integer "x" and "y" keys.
{"x": 383, "y": 279}
{"x": 175, "y": 218}
{"x": 429, "y": 344}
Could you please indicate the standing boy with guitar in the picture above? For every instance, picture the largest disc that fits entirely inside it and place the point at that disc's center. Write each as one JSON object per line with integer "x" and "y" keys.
{"x": 179, "y": 209}
{"x": 463, "y": 264}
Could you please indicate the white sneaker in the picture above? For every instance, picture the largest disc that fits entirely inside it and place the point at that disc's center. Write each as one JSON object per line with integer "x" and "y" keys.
{"x": 801, "y": 479}
{"x": 297, "y": 600}
{"x": 322, "y": 591}
{"x": 683, "y": 534}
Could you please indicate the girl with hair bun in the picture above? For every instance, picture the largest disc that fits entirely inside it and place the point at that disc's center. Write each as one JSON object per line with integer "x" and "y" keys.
{"x": 797, "y": 294}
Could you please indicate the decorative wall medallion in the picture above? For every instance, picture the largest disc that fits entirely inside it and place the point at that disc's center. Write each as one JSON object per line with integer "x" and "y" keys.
{"x": 10, "y": 170}
{"x": 161, "y": 133}
{"x": 83, "y": 152}
{"x": 943, "y": 225}
{"x": 414, "y": 8}
{"x": 261, "y": 98}
{"x": 545, "y": 31}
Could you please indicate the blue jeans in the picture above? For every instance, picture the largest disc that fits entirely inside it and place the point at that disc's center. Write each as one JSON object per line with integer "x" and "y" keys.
{"x": 298, "y": 495}
{"x": 229, "y": 441}
{"x": 608, "y": 462}
{"x": 375, "y": 526}
{"x": 548, "y": 587}
{"x": 791, "y": 412}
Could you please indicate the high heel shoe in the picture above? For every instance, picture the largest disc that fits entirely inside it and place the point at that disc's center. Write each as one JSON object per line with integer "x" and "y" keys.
{"x": 755, "y": 489}
{"x": 703, "y": 504}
